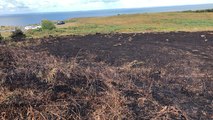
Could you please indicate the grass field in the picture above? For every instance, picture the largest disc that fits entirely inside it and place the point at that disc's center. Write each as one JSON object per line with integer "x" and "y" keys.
{"x": 148, "y": 22}
{"x": 156, "y": 22}
{"x": 152, "y": 22}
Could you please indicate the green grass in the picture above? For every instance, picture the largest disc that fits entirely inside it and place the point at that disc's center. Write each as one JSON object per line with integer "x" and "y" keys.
{"x": 152, "y": 22}
{"x": 157, "y": 22}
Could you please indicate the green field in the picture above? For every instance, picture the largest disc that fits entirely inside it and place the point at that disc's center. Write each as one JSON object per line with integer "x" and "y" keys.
{"x": 152, "y": 22}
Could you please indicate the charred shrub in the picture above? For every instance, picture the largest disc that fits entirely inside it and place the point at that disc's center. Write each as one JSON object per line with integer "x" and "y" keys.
{"x": 1, "y": 38}
{"x": 18, "y": 35}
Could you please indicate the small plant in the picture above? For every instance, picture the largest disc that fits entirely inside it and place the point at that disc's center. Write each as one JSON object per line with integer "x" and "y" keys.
{"x": 17, "y": 35}
{"x": 47, "y": 25}
{"x": 1, "y": 38}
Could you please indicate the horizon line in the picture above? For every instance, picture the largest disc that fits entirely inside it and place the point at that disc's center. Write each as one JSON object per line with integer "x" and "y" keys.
{"x": 111, "y": 9}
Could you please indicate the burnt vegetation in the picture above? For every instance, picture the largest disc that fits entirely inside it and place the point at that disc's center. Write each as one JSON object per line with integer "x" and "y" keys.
{"x": 1, "y": 38}
{"x": 17, "y": 35}
{"x": 108, "y": 76}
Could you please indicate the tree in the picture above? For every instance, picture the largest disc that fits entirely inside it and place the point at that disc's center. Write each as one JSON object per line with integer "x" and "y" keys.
{"x": 17, "y": 35}
{"x": 47, "y": 25}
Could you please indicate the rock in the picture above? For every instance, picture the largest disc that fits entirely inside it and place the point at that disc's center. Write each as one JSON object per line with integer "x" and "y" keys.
{"x": 118, "y": 44}
{"x": 195, "y": 50}
{"x": 203, "y": 36}
{"x": 136, "y": 64}
{"x": 130, "y": 39}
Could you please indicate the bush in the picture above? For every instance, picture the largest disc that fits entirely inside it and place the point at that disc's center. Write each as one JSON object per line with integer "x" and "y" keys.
{"x": 1, "y": 38}
{"x": 47, "y": 25}
{"x": 17, "y": 35}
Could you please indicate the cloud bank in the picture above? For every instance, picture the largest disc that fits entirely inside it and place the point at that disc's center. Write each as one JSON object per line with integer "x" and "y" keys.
{"x": 25, "y": 6}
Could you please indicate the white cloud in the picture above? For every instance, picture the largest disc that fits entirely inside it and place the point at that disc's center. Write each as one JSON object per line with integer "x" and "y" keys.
{"x": 152, "y": 3}
{"x": 77, "y": 5}
{"x": 11, "y": 6}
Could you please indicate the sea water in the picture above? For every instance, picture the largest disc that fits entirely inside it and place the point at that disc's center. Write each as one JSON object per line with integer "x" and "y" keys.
{"x": 35, "y": 18}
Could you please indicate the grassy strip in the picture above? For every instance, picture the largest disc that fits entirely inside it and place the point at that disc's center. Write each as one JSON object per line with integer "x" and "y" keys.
{"x": 152, "y": 22}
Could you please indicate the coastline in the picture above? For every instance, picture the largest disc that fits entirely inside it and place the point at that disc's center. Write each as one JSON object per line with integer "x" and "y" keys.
{"x": 35, "y": 18}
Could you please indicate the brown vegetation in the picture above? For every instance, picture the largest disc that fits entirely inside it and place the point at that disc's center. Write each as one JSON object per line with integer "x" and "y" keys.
{"x": 108, "y": 76}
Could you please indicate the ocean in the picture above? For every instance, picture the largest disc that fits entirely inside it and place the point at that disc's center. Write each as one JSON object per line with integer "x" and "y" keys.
{"x": 35, "y": 18}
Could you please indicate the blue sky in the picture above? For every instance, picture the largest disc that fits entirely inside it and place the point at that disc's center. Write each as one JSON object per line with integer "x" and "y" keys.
{"x": 26, "y": 6}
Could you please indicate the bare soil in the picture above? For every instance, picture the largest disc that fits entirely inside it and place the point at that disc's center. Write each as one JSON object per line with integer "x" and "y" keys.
{"x": 138, "y": 76}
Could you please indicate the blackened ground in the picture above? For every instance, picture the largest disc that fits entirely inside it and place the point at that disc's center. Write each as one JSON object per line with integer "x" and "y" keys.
{"x": 152, "y": 48}
{"x": 109, "y": 76}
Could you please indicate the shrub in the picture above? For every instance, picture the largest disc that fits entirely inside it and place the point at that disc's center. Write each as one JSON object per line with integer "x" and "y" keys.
{"x": 47, "y": 25}
{"x": 1, "y": 38}
{"x": 17, "y": 35}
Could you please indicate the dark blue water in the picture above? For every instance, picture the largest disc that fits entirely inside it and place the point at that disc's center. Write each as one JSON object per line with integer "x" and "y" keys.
{"x": 35, "y": 18}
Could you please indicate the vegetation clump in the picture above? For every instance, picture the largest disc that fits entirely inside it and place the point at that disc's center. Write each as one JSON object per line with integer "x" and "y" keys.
{"x": 47, "y": 25}
{"x": 200, "y": 11}
{"x": 1, "y": 38}
{"x": 18, "y": 35}
{"x": 207, "y": 10}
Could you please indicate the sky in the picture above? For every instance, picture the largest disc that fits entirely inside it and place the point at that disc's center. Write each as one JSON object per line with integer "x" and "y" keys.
{"x": 28, "y": 6}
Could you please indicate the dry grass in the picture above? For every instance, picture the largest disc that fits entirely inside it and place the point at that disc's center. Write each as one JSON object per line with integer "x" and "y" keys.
{"x": 56, "y": 91}
{"x": 36, "y": 84}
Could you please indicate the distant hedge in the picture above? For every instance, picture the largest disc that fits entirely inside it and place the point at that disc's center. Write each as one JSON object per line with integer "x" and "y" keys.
{"x": 47, "y": 25}
{"x": 207, "y": 10}
{"x": 200, "y": 11}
